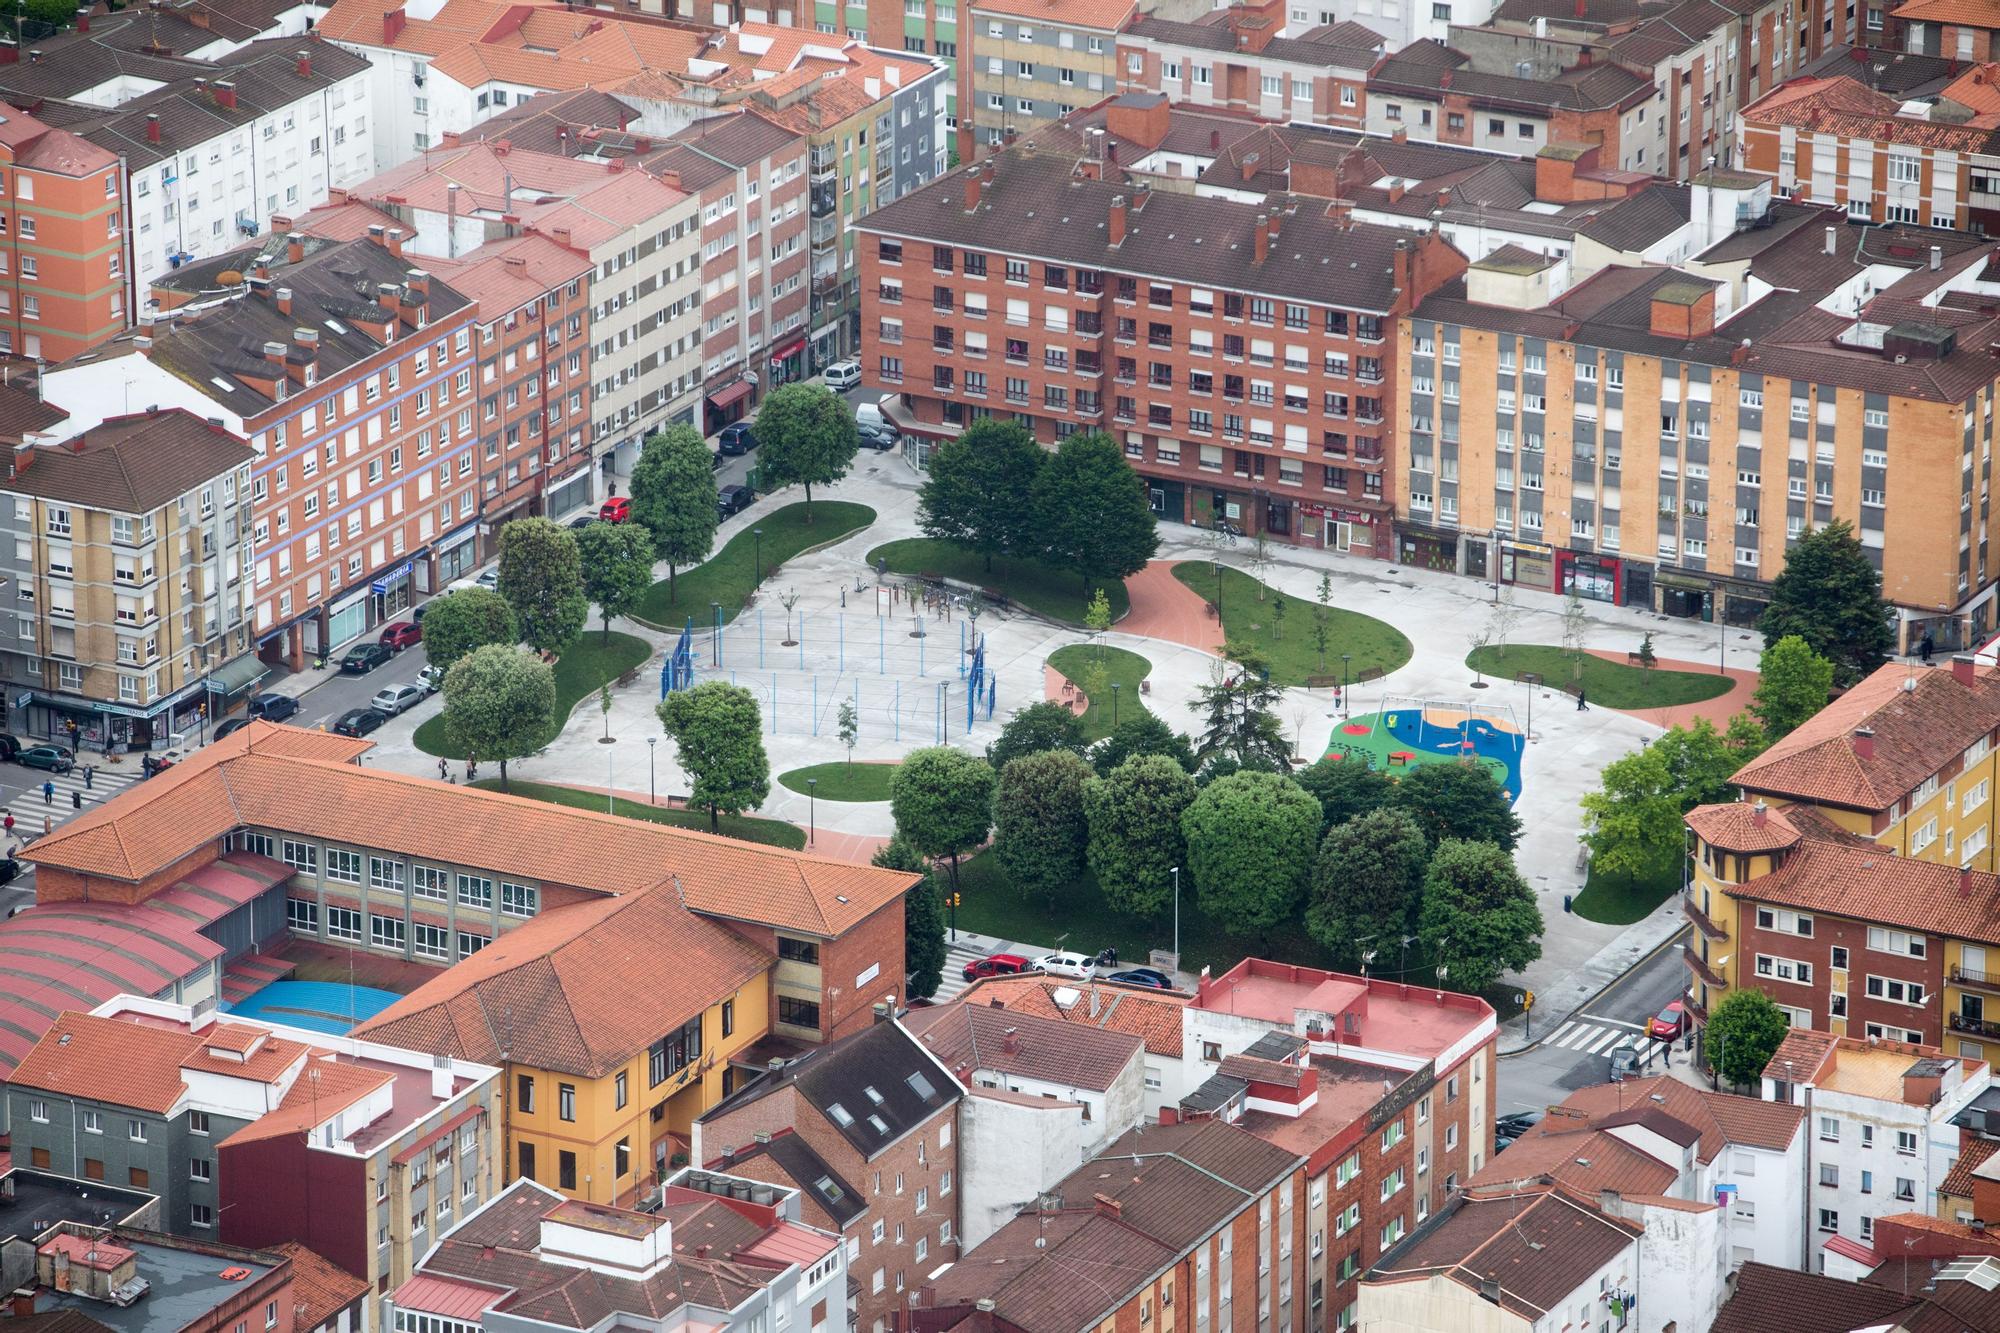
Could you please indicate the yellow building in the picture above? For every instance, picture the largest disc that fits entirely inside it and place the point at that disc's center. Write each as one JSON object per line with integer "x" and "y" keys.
{"x": 615, "y": 1022}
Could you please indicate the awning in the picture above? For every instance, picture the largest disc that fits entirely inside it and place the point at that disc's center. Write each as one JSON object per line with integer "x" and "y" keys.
{"x": 394, "y": 577}
{"x": 233, "y": 678}
{"x": 730, "y": 396}
{"x": 457, "y": 539}
{"x": 788, "y": 347}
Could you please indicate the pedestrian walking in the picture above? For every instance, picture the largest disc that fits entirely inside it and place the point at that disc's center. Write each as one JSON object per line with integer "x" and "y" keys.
{"x": 7, "y": 824}
{"x": 1926, "y": 647}
{"x": 75, "y": 800}
{"x": 443, "y": 771}
{"x": 1582, "y": 705}
{"x": 49, "y": 792}
{"x": 90, "y": 776}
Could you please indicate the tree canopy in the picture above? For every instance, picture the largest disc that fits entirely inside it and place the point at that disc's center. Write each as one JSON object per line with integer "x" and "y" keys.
{"x": 1039, "y": 832}
{"x": 1367, "y": 885}
{"x": 1241, "y": 724}
{"x": 1830, "y": 595}
{"x": 1134, "y": 817}
{"x": 1632, "y": 822}
{"x": 617, "y": 567}
{"x": 924, "y": 951}
{"x": 942, "y": 802}
{"x": 1250, "y": 840}
{"x": 805, "y": 436}
{"x": 718, "y": 735}
{"x": 1478, "y": 917}
{"x": 1142, "y": 733}
{"x": 1091, "y": 512}
{"x": 673, "y": 495}
{"x": 460, "y": 621}
{"x": 1345, "y": 789}
{"x": 979, "y": 490}
{"x": 541, "y": 576}
{"x": 1458, "y": 801}
{"x": 1043, "y": 725}
{"x": 1744, "y": 1032}
{"x": 499, "y": 703}
{"x": 1793, "y": 683}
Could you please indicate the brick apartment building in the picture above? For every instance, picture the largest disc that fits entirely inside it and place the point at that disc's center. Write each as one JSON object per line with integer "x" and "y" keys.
{"x": 67, "y": 282}
{"x": 877, "y": 1114}
{"x": 1243, "y": 355}
{"x": 1245, "y": 59}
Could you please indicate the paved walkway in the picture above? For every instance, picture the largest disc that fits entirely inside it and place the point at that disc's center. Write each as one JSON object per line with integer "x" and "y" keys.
{"x": 1060, "y": 688}
{"x": 1717, "y": 710}
{"x": 1165, "y": 608}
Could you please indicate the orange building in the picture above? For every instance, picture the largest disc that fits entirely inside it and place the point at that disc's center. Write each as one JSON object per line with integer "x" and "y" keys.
{"x": 64, "y": 272}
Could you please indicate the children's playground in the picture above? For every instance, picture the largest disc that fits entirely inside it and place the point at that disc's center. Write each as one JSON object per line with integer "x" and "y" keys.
{"x": 1407, "y": 733}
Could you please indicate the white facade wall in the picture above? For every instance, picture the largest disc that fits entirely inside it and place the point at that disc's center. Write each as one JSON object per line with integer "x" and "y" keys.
{"x": 646, "y": 320}
{"x": 1401, "y": 21}
{"x": 1008, "y": 1153}
{"x": 1766, "y": 1216}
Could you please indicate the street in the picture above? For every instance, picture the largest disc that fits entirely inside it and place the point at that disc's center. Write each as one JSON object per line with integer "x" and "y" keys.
{"x": 1576, "y": 1054}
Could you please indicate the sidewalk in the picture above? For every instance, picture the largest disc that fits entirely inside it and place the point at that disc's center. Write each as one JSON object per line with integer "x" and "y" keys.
{"x": 1557, "y": 1000}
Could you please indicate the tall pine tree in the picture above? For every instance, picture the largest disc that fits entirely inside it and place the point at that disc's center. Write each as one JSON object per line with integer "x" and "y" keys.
{"x": 1831, "y": 596}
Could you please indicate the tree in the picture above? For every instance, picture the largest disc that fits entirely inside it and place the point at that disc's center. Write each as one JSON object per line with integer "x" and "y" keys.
{"x": 1091, "y": 511}
{"x": 924, "y": 951}
{"x": 1745, "y": 1030}
{"x": 1324, "y": 596}
{"x": 464, "y": 620}
{"x": 942, "y": 802}
{"x": 1459, "y": 801}
{"x": 1632, "y": 822}
{"x": 617, "y": 563}
{"x": 1047, "y": 725}
{"x": 805, "y": 435}
{"x": 673, "y": 496}
{"x": 1097, "y": 616}
{"x": 1039, "y": 833}
{"x": 979, "y": 490}
{"x": 1134, "y": 818}
{"x": 1576, "y": 624}
{"x": 1242, "y": 722}
{"x": 718, "y": 736}
{"x": 1250, "y": 839}
{"x": 1793, "y": 683}
{"x": 499, "y": 703}
{"x": 1831, "y": 596}
{"x": 1367, "y": 884}
{"x": 1345, "y": 789}
{"x": 1647, "y": 657}
{"x": 1137, "y": 733}
{"x": 541, "y": 576}
{"x": 1261, "y": 558}
{"x": 1478, "y": 916}
{"x": 850, "y": 729}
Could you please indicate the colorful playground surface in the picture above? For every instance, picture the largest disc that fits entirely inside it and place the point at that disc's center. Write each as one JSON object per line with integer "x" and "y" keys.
{"x": 319, "y": 1006}
{"x": 1399, "y": 738}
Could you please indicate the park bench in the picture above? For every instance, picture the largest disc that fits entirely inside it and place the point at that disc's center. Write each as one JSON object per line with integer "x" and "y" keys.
{"x": 1322, "y": 682}
{"x": 995, "y": 596}
{"x": 627, "y": 677}
{"x": 1635, "y": 659}
{"x": 930, "y": 576}
{"x": 1367, "y": 674}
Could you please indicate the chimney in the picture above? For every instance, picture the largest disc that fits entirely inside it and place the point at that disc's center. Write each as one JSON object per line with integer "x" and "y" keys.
{"x": 1011, "y": 1042}
{"x": 393, "y": 21}
{"x": 35, "y": 57}
{"x": 305, "y": 66}
{"x": 1964, "y": 882}
{"x": 24, "y": 1303}
{"x": 1117, "y": 221}
{"x": 1170, "y": 1115}
{"x": 1264, "y": 237}
{"x": 282, "y": 297}
{"x": 306, "y": 338}
{"x": 1962, "y": 668}
{"x": 1921, "y": 1089}
{"x": 442, "y": 1081}
{"x": 377, "y": 233}
{"x": 1215, "y": 142}
{"x": 395, "y": 235}
{"x": 1760, "y": 814}
{"x": 1937, "y": 258}
{"x": 1271, "y": 224}
{"x": 1489, "y": 1286}
{"x": 275, "y": 354}
{"x": 1107, "y": 1206}
{"x": 1830, "y": 239}
{"x": 1142, "y": 192}
{"x": 225, "y": 95}
{"x": 419, "y": 283}
{"x": 295, "y": 247}
{"x": 1864, "y": 742}
{"x": 1607, "y": 1201}
{"x": 10, "y": 51}
{"x": 975, "y": 186}
{"x": 152, "y": 127}
{"x": 83, "y": 20}
{"x": 1401, "y": 262}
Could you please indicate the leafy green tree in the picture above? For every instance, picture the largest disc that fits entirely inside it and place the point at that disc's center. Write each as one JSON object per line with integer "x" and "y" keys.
{"x": 464, "y": 620}
{"x": 541, "y": 576}
{"x": 673, "y": 495}
{"x": 1250, "y": 839}
{"x": 979, "y": 490}
{"x": 1478, "y": 916}
{"x": 1134, "y": 816}
{"x": 1831, "y": 596}
{"x": 57, "y": 14}
{"x": 718, "y": 736}
{"x": 1039, "y": 833}
{"x": 942, "y": 802}
{"x": 1367, "y": 884}
{"x": 1345, "y": 789}
{"x": 849, "y": 724}
{"x": 1632, "y": 822}
{"x": 1142, "y": 733}
{"x": 1240, "y": 708}
{"x": 1097, "y": 616}
{"x": 1091, "y": 512}
{"x": 924, "y": 952}
{"x": 499, "y": 703}
{"x": 1744, "y": 1031}
{"x": 1793, "y": 683}
{"x": 1046, "y": 725}
{"x": 617, "y": 567}
{"x": 805, "y": 436}
{"x": 1459, "y": 801}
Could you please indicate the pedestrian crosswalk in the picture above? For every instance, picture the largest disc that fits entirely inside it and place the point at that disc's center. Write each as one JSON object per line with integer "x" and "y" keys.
{"x": 1593, "y": 1036}
{"x": 956, "y": 956}
{"x": 33, "y": 810}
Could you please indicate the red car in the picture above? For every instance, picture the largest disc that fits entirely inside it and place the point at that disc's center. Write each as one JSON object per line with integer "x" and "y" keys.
{"x": 402, "y": 634}
{"x": 995, "y": 965}
{"x": 615, "y": 510}
{"x": 1669, "y": 1023}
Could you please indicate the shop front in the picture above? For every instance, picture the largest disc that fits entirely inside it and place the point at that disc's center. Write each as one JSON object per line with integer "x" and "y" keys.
{"x": 1422, "y": 549}
{"x": 456, "y": 555}
{"x": 1594, "y": 578}
{"x": 94, "y": 724}
{"x": 728, "y": 404}
{"x": 1684, "y": 597}
{"x": 1210, "y": 506}
{"x": 393, "y": 592}
{"x": 788, "y": 360}
{"x": 572, "y": 492}
{"x": 1167, "y": 499}
{"x": 1528, "y": 567}
{"x": 346, "y": 618}
{"x": 1350, "y": 530}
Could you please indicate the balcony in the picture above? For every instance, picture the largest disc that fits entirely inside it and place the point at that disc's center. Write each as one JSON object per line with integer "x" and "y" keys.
{"x": 1701, "y": 919}
{"x": 1696, "y": 1009}
{"x": 1972, "y": 976}
{"x": 1701, "y": 969}
{"x": 1979, "y": 1027}
{"x": 825, "y": 163}
{"x": 824, "y": 202}
{"x": 825, "y": 230}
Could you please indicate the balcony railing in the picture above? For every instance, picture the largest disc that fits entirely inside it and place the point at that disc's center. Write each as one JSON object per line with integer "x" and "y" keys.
{"x": 1701, "y": 919}
{"x": 1698, "y": 966}
{"x": 1977, "y": 1026}
{"x": 1972, "y": 976}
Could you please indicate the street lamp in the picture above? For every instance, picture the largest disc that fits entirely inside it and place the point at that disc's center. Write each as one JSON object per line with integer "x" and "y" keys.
{"x": 715, "y": 613}
{"x": 1218, "y": 590}
{"x": 652, "y": 787}
{"x": 1177, "y": 918}
{"x": 812, "y": 811}
{"x": 1346, "y": 706}
{"x": 758, "y": 534}
{"x": 1115, "y": 687}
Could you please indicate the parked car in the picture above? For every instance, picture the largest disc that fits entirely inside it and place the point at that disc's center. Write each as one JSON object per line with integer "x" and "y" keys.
{"x": 733, "y": 500}
{"x": 736, "y": 439}
{"x": 401, "y": 635}
{"x": 869, "y": 416}
{"x": 10, "y": 869}
{"x": 1065, "y": 963}
{"x": 616, "y": 510}
{"x": 363, "y": 658}
{"x": 431, "y": 679}
{"x": 273, "y": 707}
{"x": 489, "y": 579}
{"x": 1143, "y": 976}
{"x": 232, "y": 726}
{"x": 1669, "y": 1023}
{"x": 359, "y": 721}
{"x": 875, "y": 437}
{"x": 1625, "y": 1061}
{"x": 395, "y": 699}
{"x": 995, "y": 965}
{"x": 582, "y": 521}
{"x": 10, "y": 747}
{"x": 843, "y": 375}
{"x": 54, "y": 758}
{"x": 1517, "y": 1124}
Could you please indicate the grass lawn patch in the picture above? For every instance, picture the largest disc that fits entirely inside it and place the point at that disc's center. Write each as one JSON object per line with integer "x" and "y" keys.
{"x": 1294, "y": 658}
{"x": 843, "y": 782}
{"x": 1121, "y": 668}
{"x": 1613, "y": 684}
{"x": 730, "y": 575}
{"x": 580, "y": 673}
{"x": 749, "y": 828}
{"x": 1047, "y": 590}
{"x": 1620, "y": 900}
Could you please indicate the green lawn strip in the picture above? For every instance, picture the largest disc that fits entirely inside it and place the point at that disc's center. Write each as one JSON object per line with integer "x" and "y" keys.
{"x": 1613, "y": 684}
{"x": 1047, "y": 590}
{"x": 1121, "y": 668}
{"x": 771, "y": 832}
{"x": 1620, "y": 900}
{"x": 580, "y": 673}
{"x": 1294, "y": 658}
{"x": 730, "y": 575}
{"x": 842, "y": 781}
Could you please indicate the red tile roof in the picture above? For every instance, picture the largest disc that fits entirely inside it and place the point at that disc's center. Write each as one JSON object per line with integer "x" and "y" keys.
{"x": 1739, "y": 826}
{"x": 1866, "y": 883}
{"x": 321, "y": 1288}
{"x": 1972, "y": 1154}
{"x": 137, "y": 1065}
{"x": 1848, "y": 108}
{"x": 1152, "y": 1016}
{"x": 1545, "y": 1243}
{"x": 971, "y": 1037}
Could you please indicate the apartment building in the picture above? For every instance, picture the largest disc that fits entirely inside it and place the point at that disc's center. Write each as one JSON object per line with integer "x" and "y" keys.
{"x": 66, "y": 201}
{"x": 1947, "y": 28}
{"x": 1882, "y": 1127}
{"x": 1026, "y": 65}
{"x": 879, "y": 1111}
{"x": 1439, "y": 94}
{"x": 1201, "y": 293}
{"x": 716, "y": 1254}
{"x": 130, "y": 572}
{"x": 75, "y": 1271}
{"x": 1965, "y": 1290}
{"x": 1836, "y": 141}
{"x": 260, "y": 1135}
{"x": 1244, "y": 59}
{"x": 1152, "y": 1016}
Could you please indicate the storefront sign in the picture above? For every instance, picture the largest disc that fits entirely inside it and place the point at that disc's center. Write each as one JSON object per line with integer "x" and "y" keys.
{"x": 394, "y": 577}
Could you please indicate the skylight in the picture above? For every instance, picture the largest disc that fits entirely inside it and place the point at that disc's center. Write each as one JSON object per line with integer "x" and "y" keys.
{"x": 873, "y": 1095}
{"x": 839, "y": 1114}
{"x": 881, "y": 1126}
{"x": 922, "y": 1086}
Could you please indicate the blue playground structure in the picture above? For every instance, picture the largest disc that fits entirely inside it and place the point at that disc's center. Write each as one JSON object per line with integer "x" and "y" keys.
{"x": 677, "y": 672}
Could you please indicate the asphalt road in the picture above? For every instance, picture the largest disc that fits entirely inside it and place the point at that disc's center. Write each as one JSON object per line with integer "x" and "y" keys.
{"x": 1577, "y": 1053}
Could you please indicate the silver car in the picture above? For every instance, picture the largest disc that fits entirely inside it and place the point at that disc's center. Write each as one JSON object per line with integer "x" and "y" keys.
{"x": 394, "y": 699}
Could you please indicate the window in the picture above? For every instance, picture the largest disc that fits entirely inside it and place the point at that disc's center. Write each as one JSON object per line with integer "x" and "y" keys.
{"x": 524, "y": 1094}
{"x": 1829, "y": 1220}
{"x": 200, "y": 1168}
{"x": 1896, "y": 991}
{"x": 136, "y": 1130}
{"x": 475, "y": 891}
{"x": 1896, "y": 941}
{"x": 798, "y": 951}
{"x": 566, "y": 1101}
{"x": 1906, "y": 1146}
{"x": 1392, "y": 1135}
